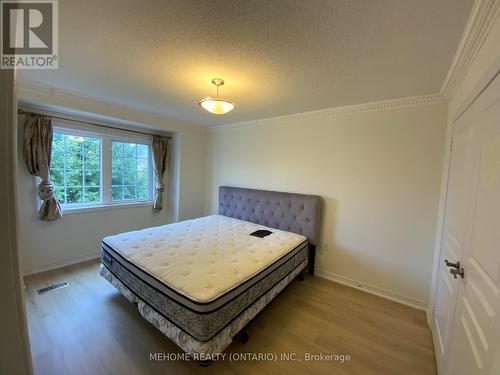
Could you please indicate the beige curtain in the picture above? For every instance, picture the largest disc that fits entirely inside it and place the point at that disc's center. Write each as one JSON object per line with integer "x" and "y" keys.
{"x": 160, "y": 152}
{"x": 37, "y": 154}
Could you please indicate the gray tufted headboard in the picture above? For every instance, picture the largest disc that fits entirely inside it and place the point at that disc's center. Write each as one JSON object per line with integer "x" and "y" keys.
{"x": 298, "y": 213}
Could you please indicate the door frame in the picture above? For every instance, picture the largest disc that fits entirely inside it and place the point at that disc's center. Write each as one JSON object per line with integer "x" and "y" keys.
{"x": 483, "y": 82}
{"x": 15, "y": 353}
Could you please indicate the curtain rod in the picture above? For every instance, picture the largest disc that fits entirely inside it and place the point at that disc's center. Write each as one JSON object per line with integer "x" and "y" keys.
{"x": 23, "y": 112}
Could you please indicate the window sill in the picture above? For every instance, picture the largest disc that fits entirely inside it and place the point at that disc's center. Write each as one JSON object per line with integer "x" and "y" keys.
{"x": 103, "y": 207}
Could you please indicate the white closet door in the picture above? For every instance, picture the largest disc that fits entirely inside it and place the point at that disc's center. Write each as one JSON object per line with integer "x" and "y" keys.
{"x": 474, "y": 343}
{"x": 456, "y": 233}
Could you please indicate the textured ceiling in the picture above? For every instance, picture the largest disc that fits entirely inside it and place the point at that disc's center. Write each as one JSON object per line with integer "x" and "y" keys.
{"x": 277, "y": 56}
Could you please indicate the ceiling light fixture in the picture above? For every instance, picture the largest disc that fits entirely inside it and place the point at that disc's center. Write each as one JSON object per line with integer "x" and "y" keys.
{"x": 217, "y": 106}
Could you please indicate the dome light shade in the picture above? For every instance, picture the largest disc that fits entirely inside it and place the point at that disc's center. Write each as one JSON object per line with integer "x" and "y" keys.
{"x": 217, "y": 106}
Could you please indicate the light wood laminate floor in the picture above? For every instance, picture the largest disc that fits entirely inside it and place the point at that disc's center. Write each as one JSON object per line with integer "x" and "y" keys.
{"x": 89, "y": 328}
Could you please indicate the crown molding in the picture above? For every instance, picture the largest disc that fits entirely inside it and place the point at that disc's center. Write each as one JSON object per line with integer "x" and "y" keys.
{"x": 385, "y": 105}
{"x": 477, "y": 28}
{"x": 45, "y": 96}
{"x": 30, "y": 88}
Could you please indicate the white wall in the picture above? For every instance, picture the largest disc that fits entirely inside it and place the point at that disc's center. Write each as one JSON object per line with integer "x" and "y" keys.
{"x": 379, "y": 174}
{"x": 192, "y": 174}
{"x": 45, "y": 245}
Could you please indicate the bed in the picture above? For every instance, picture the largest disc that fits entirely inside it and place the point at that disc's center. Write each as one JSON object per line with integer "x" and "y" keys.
{"x": 201, "y": 281}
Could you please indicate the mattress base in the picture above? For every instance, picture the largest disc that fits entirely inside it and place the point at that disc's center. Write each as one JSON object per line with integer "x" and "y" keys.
{"x": 221, "y": 340}
{"x": 207, "y": 320}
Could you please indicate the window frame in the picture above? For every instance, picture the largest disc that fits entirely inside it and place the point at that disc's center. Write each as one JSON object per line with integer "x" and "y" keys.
{"x": 82, "y": 133}
{"x": 110, "y": 166}
{"x": 106, "y": 137}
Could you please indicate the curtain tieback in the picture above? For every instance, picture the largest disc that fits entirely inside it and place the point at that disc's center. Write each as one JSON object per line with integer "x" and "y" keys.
{"x": 160, "y": 188}
{"x": 46, "y": 190}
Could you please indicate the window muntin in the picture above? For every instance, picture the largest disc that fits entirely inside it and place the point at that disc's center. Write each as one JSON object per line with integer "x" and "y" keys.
{"x": 76, "y": 168}
{"x": 130, "y": 171}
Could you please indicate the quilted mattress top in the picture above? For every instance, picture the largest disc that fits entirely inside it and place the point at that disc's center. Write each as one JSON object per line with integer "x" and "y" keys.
{"x": 206, "y": 257}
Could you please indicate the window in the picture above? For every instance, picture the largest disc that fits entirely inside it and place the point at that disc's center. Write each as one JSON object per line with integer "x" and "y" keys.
{"x": 76, "y": 168}
{"x": 130, "y": 171}
{"x": 90, "y": 168}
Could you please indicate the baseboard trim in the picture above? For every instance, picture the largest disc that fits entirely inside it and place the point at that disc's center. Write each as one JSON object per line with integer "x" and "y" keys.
{"x": 372, "y": 290}
{"x": 61, "y": 263}
{"x": 321, "y": 273}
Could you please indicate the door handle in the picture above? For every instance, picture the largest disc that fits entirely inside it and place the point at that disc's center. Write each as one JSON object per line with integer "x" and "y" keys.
{"x": 452, "y": 265}
{"x": 455, "y": 268}
{"x": 456, "y": 272}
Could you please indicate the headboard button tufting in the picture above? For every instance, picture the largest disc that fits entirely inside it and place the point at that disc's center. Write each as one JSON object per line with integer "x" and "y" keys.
{"x": 299, "y": 213}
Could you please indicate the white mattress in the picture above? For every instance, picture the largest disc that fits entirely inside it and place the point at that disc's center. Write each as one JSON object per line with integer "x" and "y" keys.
{"x": 206, "y": 257}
